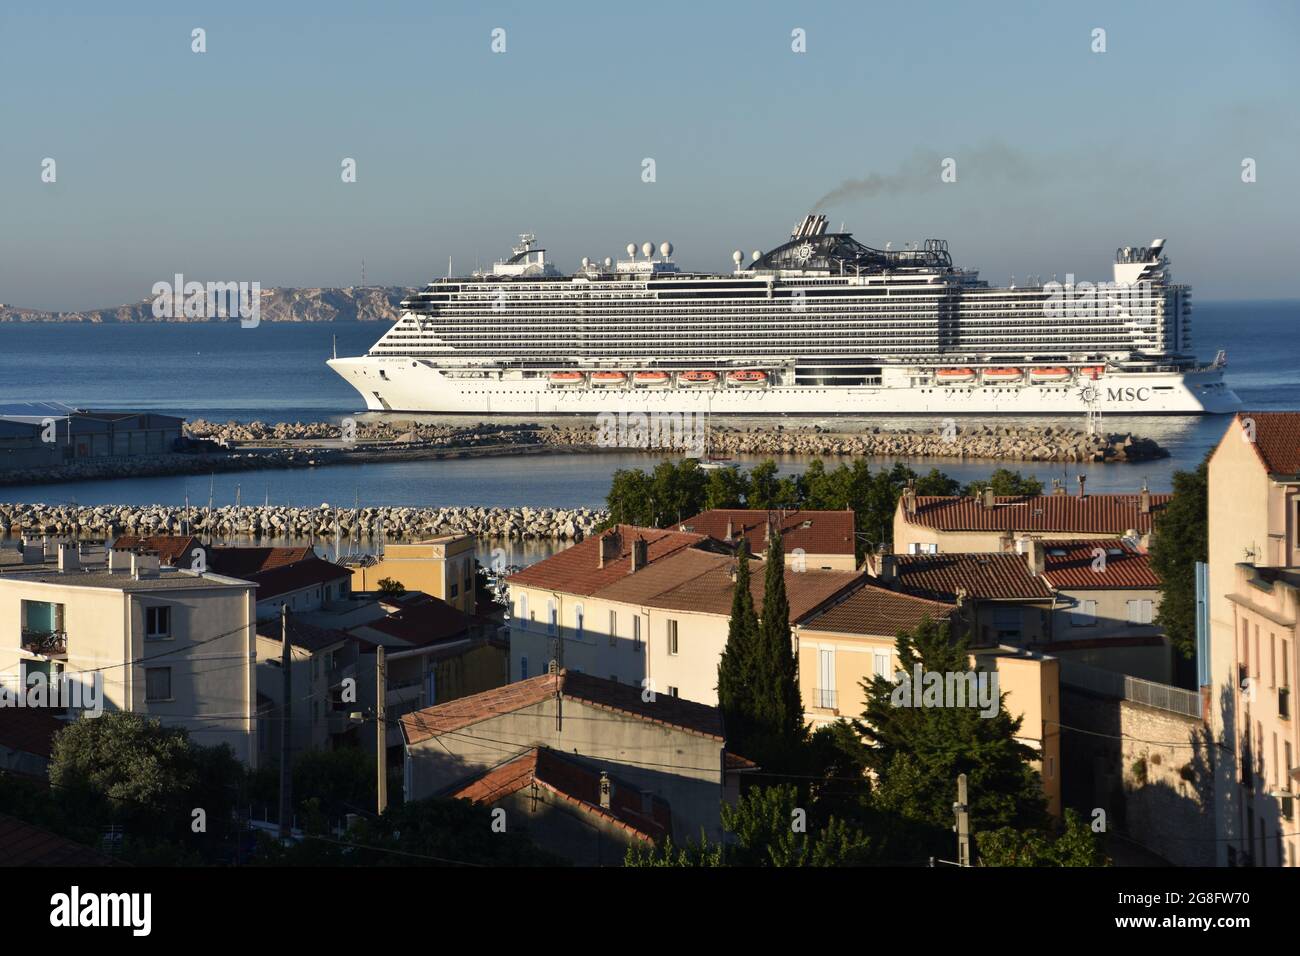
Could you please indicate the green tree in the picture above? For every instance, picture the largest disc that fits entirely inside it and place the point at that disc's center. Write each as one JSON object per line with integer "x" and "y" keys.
{"x": 779, "y": 727}
{"x": 726, "y": 488}
{"x": 1075, "y": 845}
{"x": 629, "y": 498}
{"x": 390, "y": 587}
{"x": 764, "y": 487}
{"x": 736, "y": 667}
{"x": 1181, "y": 539}
{"x": 1005, "y": 482}
{"x": 677, "y": 490}
{"x": 917, "y": 753}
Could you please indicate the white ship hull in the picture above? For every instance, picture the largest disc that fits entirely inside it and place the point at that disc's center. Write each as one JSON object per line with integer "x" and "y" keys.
{"x": 401, "y": 384}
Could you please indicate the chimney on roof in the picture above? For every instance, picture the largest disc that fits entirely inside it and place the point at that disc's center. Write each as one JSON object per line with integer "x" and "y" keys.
{"x": 611, "y": 546}
{"x": 33, "y": 551}
{"x": 119, "y": 560}
{"x": 1057, "y": 487}
{"x": 605, "y": 789}
{"x": 1083, "y": 480}
{"x": 909, "y": 497}
{"x": 886, "y": 568}
{"x": 639, "y": 549}
{"x": 144, "y": 565}
{"x": 730, "y": 530}
{"x": 69, "y": 558}
{"x": 1037, "y": 556}
{"x": 987, "y": 499}
{"x": 1144, "y": 500}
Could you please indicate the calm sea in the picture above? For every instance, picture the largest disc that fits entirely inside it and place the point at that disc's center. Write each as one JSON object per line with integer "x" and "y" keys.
{"x": 276, "y": 372}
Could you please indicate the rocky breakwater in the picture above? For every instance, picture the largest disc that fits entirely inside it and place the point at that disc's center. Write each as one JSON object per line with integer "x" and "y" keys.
{"x": 285, "y": 522}
{"x": 946, "y": 440}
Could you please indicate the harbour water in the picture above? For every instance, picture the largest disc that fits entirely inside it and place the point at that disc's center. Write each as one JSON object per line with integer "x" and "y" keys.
{"x": 276, "y": 372}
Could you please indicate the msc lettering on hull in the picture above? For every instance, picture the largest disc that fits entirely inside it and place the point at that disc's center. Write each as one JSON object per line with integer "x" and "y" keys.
{"x": 1128, "y": 394}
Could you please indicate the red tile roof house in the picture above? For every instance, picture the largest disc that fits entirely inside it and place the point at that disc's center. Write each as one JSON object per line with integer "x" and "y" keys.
{"x": 812, "y": 540}
{"x": 943, "y": 525}
{"x": 292, "y": 577}
{"x": 27, "y": 739}
{"x": 669, "y": 749}
{"x": 644, "y": 605}
{"x": 1091, "y": 601}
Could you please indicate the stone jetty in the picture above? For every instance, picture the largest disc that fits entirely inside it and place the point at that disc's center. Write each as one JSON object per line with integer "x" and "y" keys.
{"x": 324, "y": 521}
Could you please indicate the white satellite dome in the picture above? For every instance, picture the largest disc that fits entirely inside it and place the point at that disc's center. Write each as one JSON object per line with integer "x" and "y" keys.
{"x": 631, "y": 249}
{"x": 737, "y": 257}
{"x": 647, "y": 249}
{"x": 608, "y": 262}
{"x": 756, "y": 255}
{"x": 585, "y": 262}
{"x": 665, "y": 249}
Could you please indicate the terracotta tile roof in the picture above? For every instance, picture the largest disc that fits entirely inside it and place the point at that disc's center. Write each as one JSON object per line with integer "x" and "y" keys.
{"x": 577, "y": 570}
{"x": 1069, "y": 564}
{"x": 578, "y": 786}
{"x": 170, "y": 547}
{"x": 24, "y": 844}
{"x": 877, "y": 611}
{"x": 243, "y": 562}
{"x": 990, "y": 576}
{"x": 427, "y": 622}
{"x": 1057, "y": 514}
{"x": 294, "y": 577}
{"x": 29, "y": 729}
{"x": 1277, "y": 441}
{"x": 817, "y": 532}
{"x": 597, "y": 691}
{"x": 309, "y": 637}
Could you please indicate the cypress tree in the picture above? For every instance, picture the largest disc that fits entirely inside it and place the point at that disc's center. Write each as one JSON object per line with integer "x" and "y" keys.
{"x": 736, "y": 669}
{"x": 777, "y": 681}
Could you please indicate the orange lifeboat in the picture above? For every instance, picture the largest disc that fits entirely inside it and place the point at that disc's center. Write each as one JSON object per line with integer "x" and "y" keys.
{"x": 607, "y": 379}
{"x": 698, "y": 377}
{"x": 954, "y": 375}
{"x": 650, "y": 378}
{"x": 1002, "y": 374}
{"x": 566, "y": 378}
{"x": 1056, "y": 373}
{"x": 748, "y": 376}
{"x": 1093, "y": 372}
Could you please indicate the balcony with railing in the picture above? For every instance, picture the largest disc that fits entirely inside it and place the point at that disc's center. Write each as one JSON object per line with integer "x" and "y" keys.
{"x": 825, "y": 699}
{"x": 47, "y": 642}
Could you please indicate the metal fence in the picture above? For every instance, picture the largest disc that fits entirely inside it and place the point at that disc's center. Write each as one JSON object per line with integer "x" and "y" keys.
{"x": 1097, "y": 680}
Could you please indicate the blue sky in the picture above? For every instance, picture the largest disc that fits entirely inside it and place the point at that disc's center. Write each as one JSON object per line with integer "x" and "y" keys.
{"x": 226, "y": 165}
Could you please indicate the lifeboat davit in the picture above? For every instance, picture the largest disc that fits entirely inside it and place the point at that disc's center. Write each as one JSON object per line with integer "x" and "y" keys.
{"x": 954, "y": 375}
{"x": 566, "y": 378}
{"x": 650, "y": 378}
{"x": 1056, "y": 373}
{"x": 747, "y": 376}
{"x": 1002, "y": 374}
{"x": 699, "y": 377}
{"x": 607, "y": 379}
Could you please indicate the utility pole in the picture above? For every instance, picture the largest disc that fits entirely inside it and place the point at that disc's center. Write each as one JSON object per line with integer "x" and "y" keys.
{"x": 962, "y": 809}
{"x": 286, "y": 779}
{"x": 381, "y": 726}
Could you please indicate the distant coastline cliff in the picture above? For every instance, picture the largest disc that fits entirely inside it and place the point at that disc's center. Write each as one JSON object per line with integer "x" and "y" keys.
{"x": 355, "y": 304}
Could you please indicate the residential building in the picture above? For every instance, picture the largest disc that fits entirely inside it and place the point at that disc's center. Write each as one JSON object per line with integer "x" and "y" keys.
{"x": 671, "y": 749}
{"x": 1254, "y": 557}
{"x": 285, "y": 577}
{"x": 644, "y": 607}
{"x": 442, "y": 567}
{"x": 170, "y": 644}
{"x": 812, "y": 540}
{"x": 988, "y": 523}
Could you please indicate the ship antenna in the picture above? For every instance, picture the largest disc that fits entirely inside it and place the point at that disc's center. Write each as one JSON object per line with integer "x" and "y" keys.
{"x": 449, "y": 267}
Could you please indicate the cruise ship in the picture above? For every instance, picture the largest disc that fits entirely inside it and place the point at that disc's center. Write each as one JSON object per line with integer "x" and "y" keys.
{"x": 820, "y": 325}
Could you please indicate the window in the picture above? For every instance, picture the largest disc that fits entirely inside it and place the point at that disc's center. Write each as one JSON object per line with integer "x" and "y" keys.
{"x": 672, "y": 636}
{"x": 882, "y": 664}
{"x": 577, "y": 621}
{"x": 455, "y": 589}
{"x": 523, "y": 611}
{"x": 636, "y": 634}
{"x": 1084, "y": 614}
{"x": 1006, "y": 623}
{"x": 157, "y": 622}
{"x": 613, "y": 628}
{"x": 825, "y": 692}
{"x": 551, "y": 618}
{"x": 672, "y": 691}
{"x": 158, "y": 683}
{"x": 523, "y": 668}
{"x": 923, "y": 547}
{"x": 1139, "y": 612}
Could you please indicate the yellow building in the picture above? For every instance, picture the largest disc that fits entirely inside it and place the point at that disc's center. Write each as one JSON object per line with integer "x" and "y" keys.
{"x": 442, "y": 567}
{"x": 1254, "y": 566}
{"x": 855, "y": 640}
